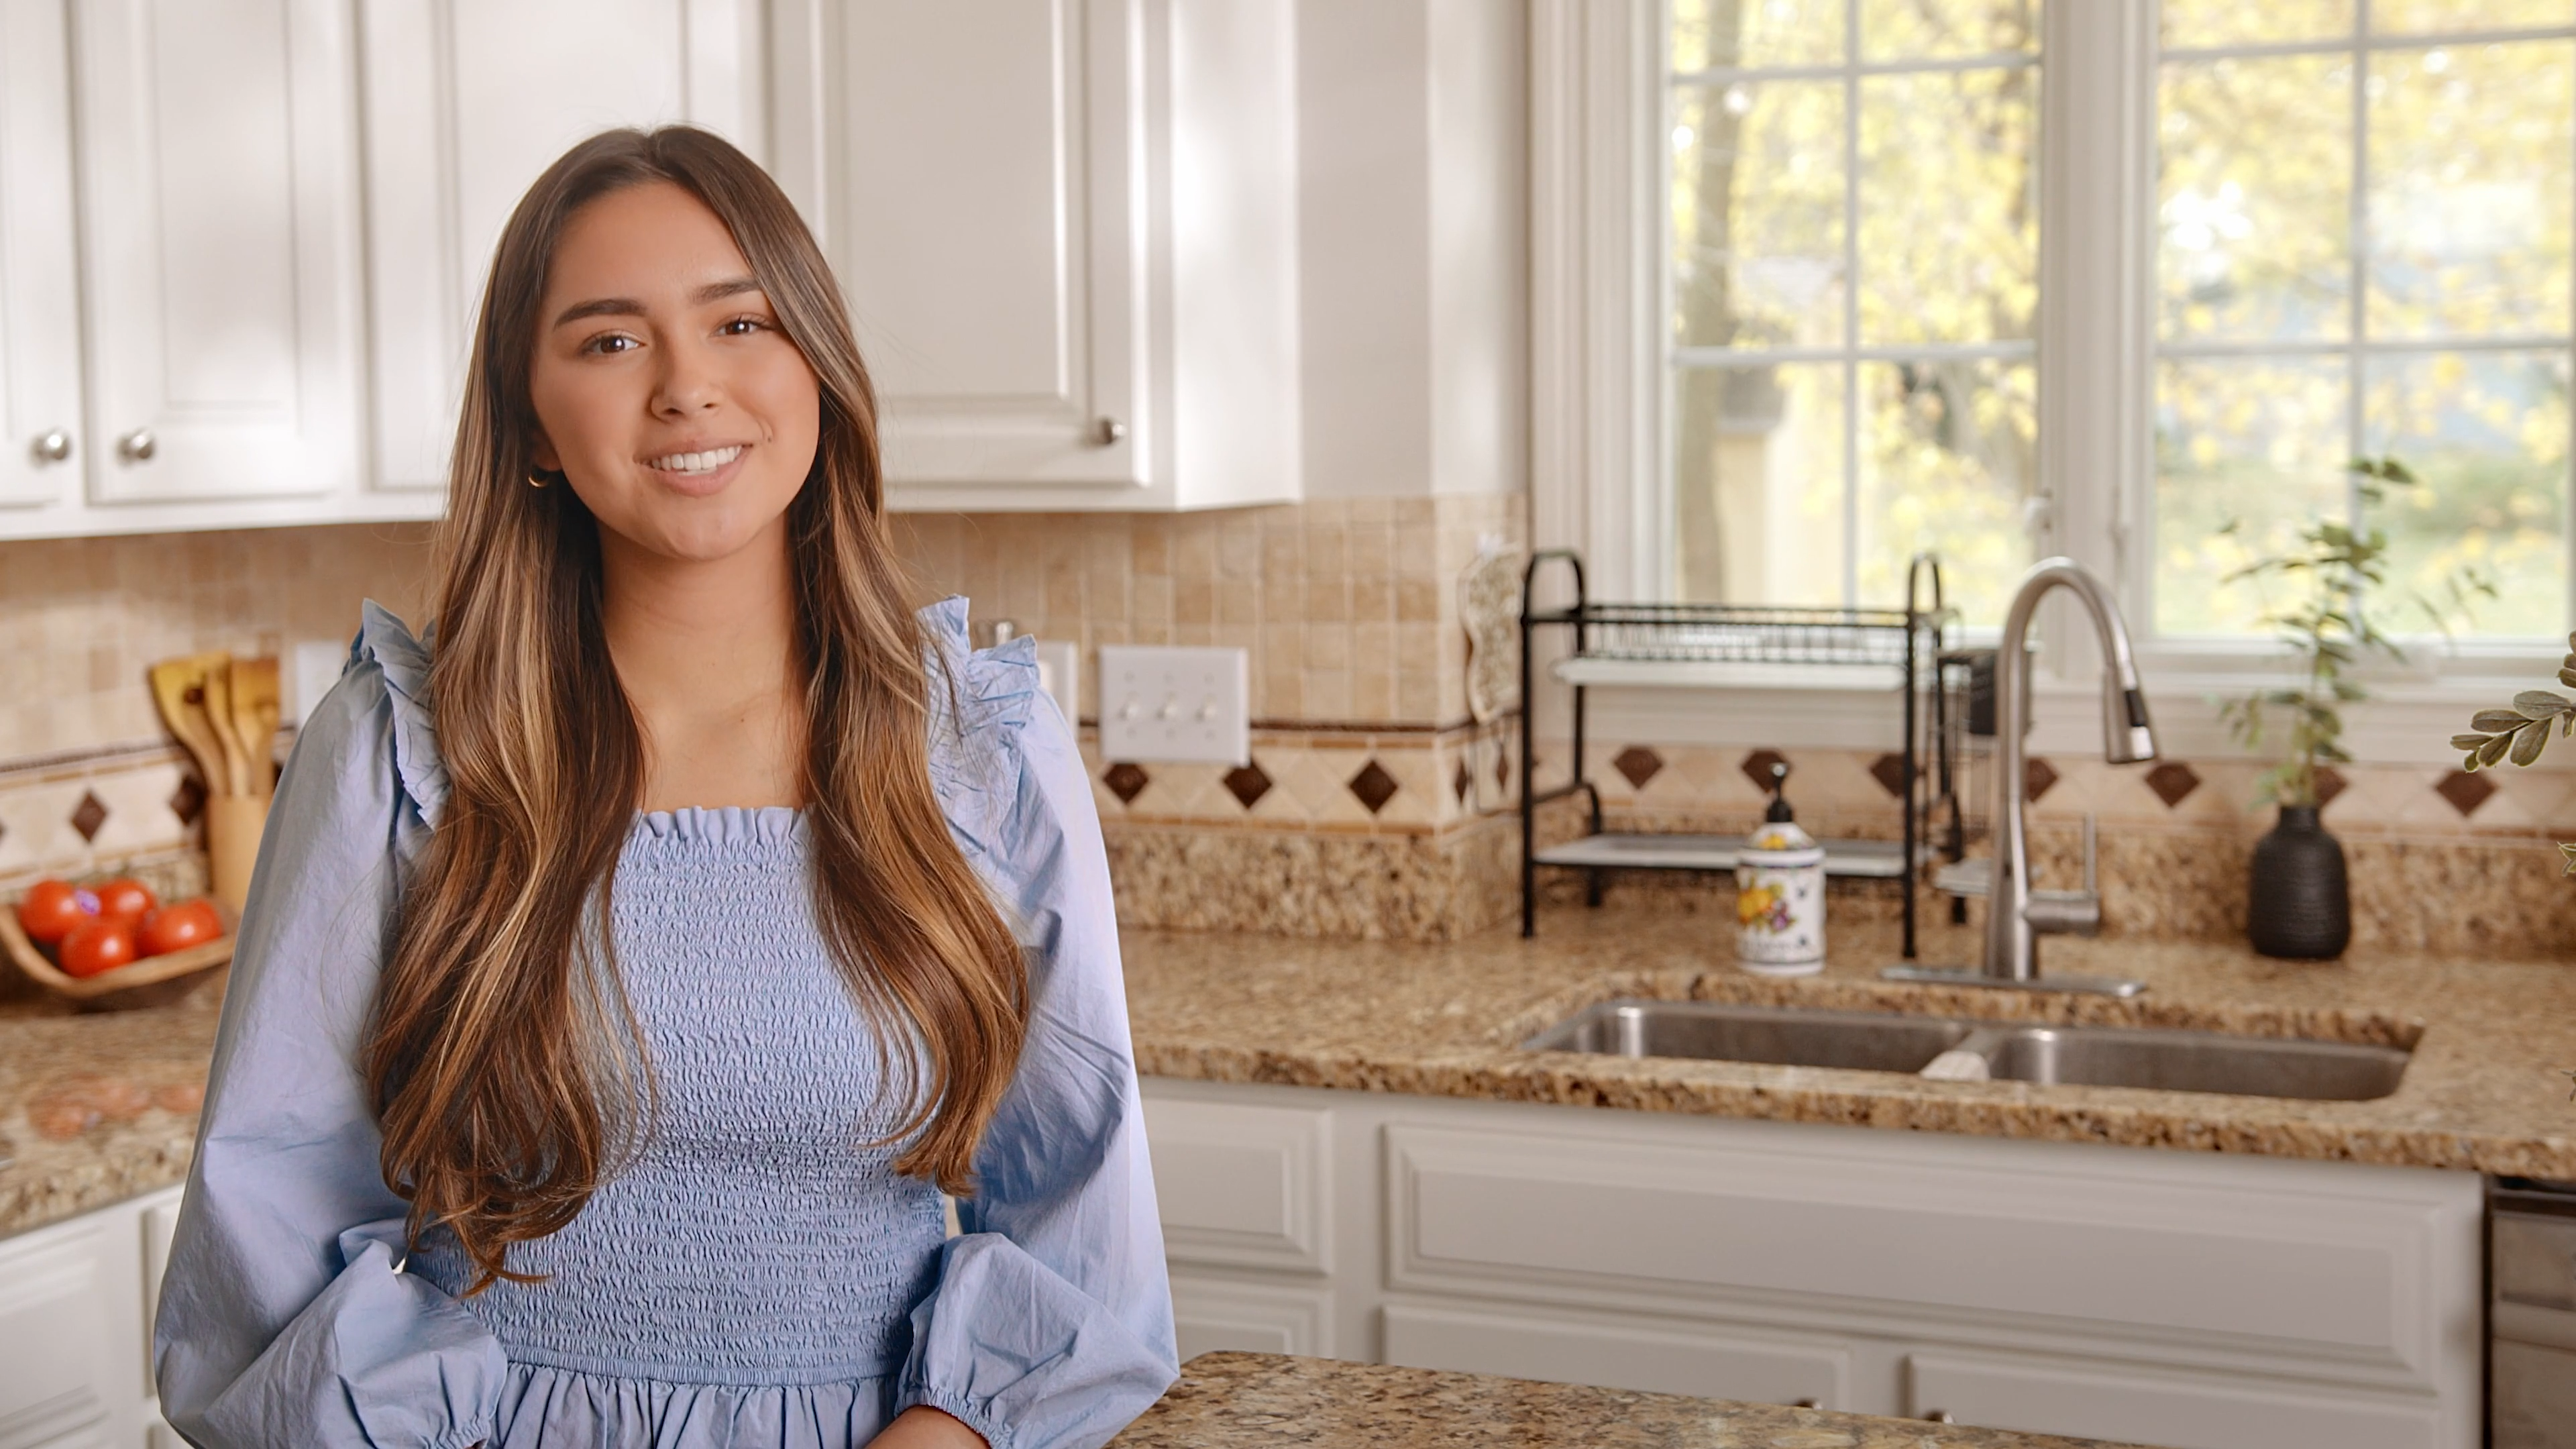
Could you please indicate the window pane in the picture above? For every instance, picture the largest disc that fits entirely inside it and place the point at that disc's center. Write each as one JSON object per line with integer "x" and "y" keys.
{"x": 1758, "y": 214}
{"x": 2421, "y": 17}
{"x": 2193, "y": 24}
{"x": 2469, "y": 189}
{"x": 1918, "y": 29}
{"x": 2487, "y": 432}
{"x": 1949, "y": 206}
{"x": 2261, "y": 442}
{"x": 1715, "y": 34}
{"x": 1948, "y": 451}
{"x": 1758, "y": 484}
{"x": 2253, "y": 199}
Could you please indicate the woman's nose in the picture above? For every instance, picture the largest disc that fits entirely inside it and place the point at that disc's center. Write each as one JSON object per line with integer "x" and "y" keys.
{"x": 688, "y": 381}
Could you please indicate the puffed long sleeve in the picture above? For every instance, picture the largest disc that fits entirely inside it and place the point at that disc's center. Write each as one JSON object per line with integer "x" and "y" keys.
{"x": 285, "y": 1317}
{"x": 1050, "y": 1325}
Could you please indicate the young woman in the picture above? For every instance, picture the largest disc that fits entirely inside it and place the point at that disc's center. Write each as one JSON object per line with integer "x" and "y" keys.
{"x": 631, "y": 966}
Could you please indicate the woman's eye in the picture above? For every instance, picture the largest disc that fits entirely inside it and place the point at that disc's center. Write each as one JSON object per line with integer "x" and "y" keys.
{"x": 610, "y": 342}
{"x": 743, "y": 327}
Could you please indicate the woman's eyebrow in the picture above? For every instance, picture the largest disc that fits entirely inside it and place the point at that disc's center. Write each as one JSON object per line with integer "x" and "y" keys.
{"x": 629, "y": 307}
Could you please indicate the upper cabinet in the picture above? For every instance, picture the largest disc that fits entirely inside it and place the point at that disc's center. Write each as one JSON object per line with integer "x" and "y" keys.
{"x": 466, "y": 102}
{"x": 1068, "y": 233}
{"x": 204, "y": 368}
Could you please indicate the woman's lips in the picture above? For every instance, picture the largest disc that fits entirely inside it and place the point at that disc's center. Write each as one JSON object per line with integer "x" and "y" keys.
{"x": 689, "y": 475}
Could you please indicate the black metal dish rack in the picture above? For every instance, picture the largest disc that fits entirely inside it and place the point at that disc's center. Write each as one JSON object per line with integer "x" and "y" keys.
{"x": 1920, "y": 642}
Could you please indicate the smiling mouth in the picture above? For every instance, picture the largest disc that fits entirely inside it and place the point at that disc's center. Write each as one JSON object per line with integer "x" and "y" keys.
{"x": 695, "y": 465}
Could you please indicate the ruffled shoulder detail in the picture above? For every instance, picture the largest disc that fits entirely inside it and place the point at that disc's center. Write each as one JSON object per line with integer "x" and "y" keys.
{"x": 386, "y": 642}
{"x": 980, "y": 700}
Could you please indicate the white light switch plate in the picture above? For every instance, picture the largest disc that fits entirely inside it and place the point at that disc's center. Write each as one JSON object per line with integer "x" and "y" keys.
{"x": 1174, "y": 704}
{"x": 314, "y": 666}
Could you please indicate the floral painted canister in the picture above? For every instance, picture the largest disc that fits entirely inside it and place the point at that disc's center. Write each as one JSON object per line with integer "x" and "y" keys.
{"x": 1780, "y": 902}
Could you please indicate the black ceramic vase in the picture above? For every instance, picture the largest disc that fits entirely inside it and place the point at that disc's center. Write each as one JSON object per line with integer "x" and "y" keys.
{"x": 2300, "y": 906}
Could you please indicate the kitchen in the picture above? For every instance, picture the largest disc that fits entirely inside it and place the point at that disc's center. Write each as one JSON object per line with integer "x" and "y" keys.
{"x": 1294, "y": 330}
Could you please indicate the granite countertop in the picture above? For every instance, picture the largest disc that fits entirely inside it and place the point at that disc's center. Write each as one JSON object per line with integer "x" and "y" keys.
{"x": 1244, "y": 1399}
{"x": 102, "y": 1107}
{"x": 2487, "y": 1089}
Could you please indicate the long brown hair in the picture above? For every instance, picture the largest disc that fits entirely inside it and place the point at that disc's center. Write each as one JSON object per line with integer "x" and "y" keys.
{"x": 505, "y": 1064}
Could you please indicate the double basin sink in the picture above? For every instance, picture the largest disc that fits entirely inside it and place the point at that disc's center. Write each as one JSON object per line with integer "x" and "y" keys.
{"x": 2159, "y": 1059}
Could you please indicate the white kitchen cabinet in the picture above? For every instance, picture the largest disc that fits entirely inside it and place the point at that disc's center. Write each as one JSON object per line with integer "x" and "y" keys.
{"x": 75, "y": 1336}
{"x": 466, "y": 102}
{"x": 1068, "y": 232}
{"x": 41, "y": 427}
{"x": 2193, "y": 1300}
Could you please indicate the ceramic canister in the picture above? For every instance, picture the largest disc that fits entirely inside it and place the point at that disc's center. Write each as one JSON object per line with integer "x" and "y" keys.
{"x": 1780, "y": 902}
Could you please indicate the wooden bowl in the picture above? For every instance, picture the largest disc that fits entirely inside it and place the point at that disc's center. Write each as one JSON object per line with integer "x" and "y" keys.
{"x": 150, "y": 981}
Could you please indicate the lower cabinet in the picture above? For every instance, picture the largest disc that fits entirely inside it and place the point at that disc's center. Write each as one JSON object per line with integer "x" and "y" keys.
{"x": 75, "y": 1329}
{"x": 2189, "y": 1300}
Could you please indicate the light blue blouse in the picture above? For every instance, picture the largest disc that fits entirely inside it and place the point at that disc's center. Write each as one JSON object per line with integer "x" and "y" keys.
{"x": 754, "y": 1276}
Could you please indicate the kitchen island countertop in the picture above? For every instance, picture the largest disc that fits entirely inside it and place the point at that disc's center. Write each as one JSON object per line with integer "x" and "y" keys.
{"x": 1243, "y": 1400}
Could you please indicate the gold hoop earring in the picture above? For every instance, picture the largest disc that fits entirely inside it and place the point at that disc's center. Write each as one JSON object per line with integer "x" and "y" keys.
{"x": 537, "y": 478}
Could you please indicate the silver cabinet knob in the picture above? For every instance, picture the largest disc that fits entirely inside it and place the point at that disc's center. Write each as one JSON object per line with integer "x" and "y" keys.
{"x": 53, "y": 446}
{"x": 138, "y": 446}
{"x": 1807, "y": 1404}
{"x": 1108, "y": 431}
{"x": 1940, "y": 1416}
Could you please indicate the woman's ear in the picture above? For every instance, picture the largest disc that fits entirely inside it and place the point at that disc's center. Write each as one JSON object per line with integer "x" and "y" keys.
{"x": 548, "y": 459}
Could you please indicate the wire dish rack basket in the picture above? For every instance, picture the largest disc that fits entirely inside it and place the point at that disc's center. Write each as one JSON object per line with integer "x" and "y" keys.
{"x": 1912, "y": 652}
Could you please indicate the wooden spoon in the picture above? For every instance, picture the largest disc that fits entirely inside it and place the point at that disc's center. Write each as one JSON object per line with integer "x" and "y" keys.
{"x": 179, "y": 688}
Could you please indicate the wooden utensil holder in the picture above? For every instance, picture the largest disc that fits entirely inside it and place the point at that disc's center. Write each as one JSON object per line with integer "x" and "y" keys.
{"x": 233, "y": 825}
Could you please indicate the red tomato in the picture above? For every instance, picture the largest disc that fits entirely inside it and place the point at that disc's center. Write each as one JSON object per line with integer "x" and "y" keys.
{"x": 50, "y": 911}
{"x": 100, "y": 945}
{"x": 124, "y": 896}
{"x": 176, "y": 928}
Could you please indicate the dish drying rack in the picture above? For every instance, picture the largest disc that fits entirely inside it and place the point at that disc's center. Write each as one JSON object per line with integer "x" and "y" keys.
{"x": 1915, "y": 652}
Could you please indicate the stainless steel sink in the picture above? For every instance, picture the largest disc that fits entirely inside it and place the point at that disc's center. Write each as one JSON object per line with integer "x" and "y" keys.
{"x": 1792, "y": 1037}
{"x": 2197, "y": 1061}
{"x": 2153, "y": 1058}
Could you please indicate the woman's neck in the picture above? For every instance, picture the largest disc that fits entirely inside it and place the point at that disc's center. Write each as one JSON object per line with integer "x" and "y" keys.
{"x": 706, "y": 651}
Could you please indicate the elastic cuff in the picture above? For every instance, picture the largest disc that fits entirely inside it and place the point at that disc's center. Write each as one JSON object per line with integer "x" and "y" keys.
{"x": 461, "y": 1438}
{"x": 996, "y": 1433}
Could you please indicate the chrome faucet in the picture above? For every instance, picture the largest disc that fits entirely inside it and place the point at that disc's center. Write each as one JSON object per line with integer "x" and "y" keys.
{"x": 2016, "y": 915}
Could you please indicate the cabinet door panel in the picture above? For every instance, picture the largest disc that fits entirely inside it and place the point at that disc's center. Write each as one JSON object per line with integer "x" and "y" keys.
{"x": 1213, "y": 1315}
{"x": 219, "y": 198}
{"x": 2141, "y": 1406}
{"x": 39, "y": 306}
{"x": 57, "y": 1340}
{"x": 1243, "y": 1186}
{"x": 1656, "y": 1360}
{"x": 982, "y": 161}
{"x": 467, "y": 101}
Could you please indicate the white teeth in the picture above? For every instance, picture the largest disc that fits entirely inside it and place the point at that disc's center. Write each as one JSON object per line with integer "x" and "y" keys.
{"x": 706, "y": 462}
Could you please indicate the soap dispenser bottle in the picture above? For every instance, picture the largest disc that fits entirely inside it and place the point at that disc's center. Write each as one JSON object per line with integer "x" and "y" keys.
{"x": 1780, "y": 892}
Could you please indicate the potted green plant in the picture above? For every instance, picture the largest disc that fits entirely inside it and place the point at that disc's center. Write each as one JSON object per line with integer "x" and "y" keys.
{"x": 2299, "y": 901}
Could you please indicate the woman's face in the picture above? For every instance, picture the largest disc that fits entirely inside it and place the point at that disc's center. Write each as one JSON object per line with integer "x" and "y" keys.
{"x": 668, "y": 396}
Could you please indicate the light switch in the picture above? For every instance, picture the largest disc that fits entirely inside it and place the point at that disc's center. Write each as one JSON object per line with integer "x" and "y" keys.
{"x": 1174, "y": 704}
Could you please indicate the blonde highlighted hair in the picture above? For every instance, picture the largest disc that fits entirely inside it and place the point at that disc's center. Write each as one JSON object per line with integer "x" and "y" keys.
{"x": 504, "y": 1063}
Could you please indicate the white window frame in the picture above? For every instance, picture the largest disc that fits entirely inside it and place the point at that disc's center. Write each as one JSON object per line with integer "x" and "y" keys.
{"x": 1598, "y": 436}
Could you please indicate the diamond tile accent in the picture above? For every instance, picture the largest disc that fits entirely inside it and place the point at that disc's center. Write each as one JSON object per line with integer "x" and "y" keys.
{"x": 1637, "y": 764}
{"x": 1126, "y": 781}
{"x": 2465, "y": 791}
{"x": 2330, "y": 783}
{"x": 2173, "y": 782}
{"x": 1889, "y": 771}
{"x": 189, "y": 800}
{"x": 1374, "y": 786}
{"x": 1464, "y": 782}
{"x": 1502, "y": 769}
{"x": 1757, "y": 768}
{"x": 1247, "y": 784}
{"x": 2038, "y": 776}
{"x": 91, "y": 813}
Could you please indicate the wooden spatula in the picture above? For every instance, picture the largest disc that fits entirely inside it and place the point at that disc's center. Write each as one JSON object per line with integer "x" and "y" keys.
{"x": 179, "y": 689}
{"x": 219, "y": 717}
{"x": 255, "y": 707}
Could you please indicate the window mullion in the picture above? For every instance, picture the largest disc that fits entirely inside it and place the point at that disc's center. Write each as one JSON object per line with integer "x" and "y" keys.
{"x": 1851, "y": 303}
